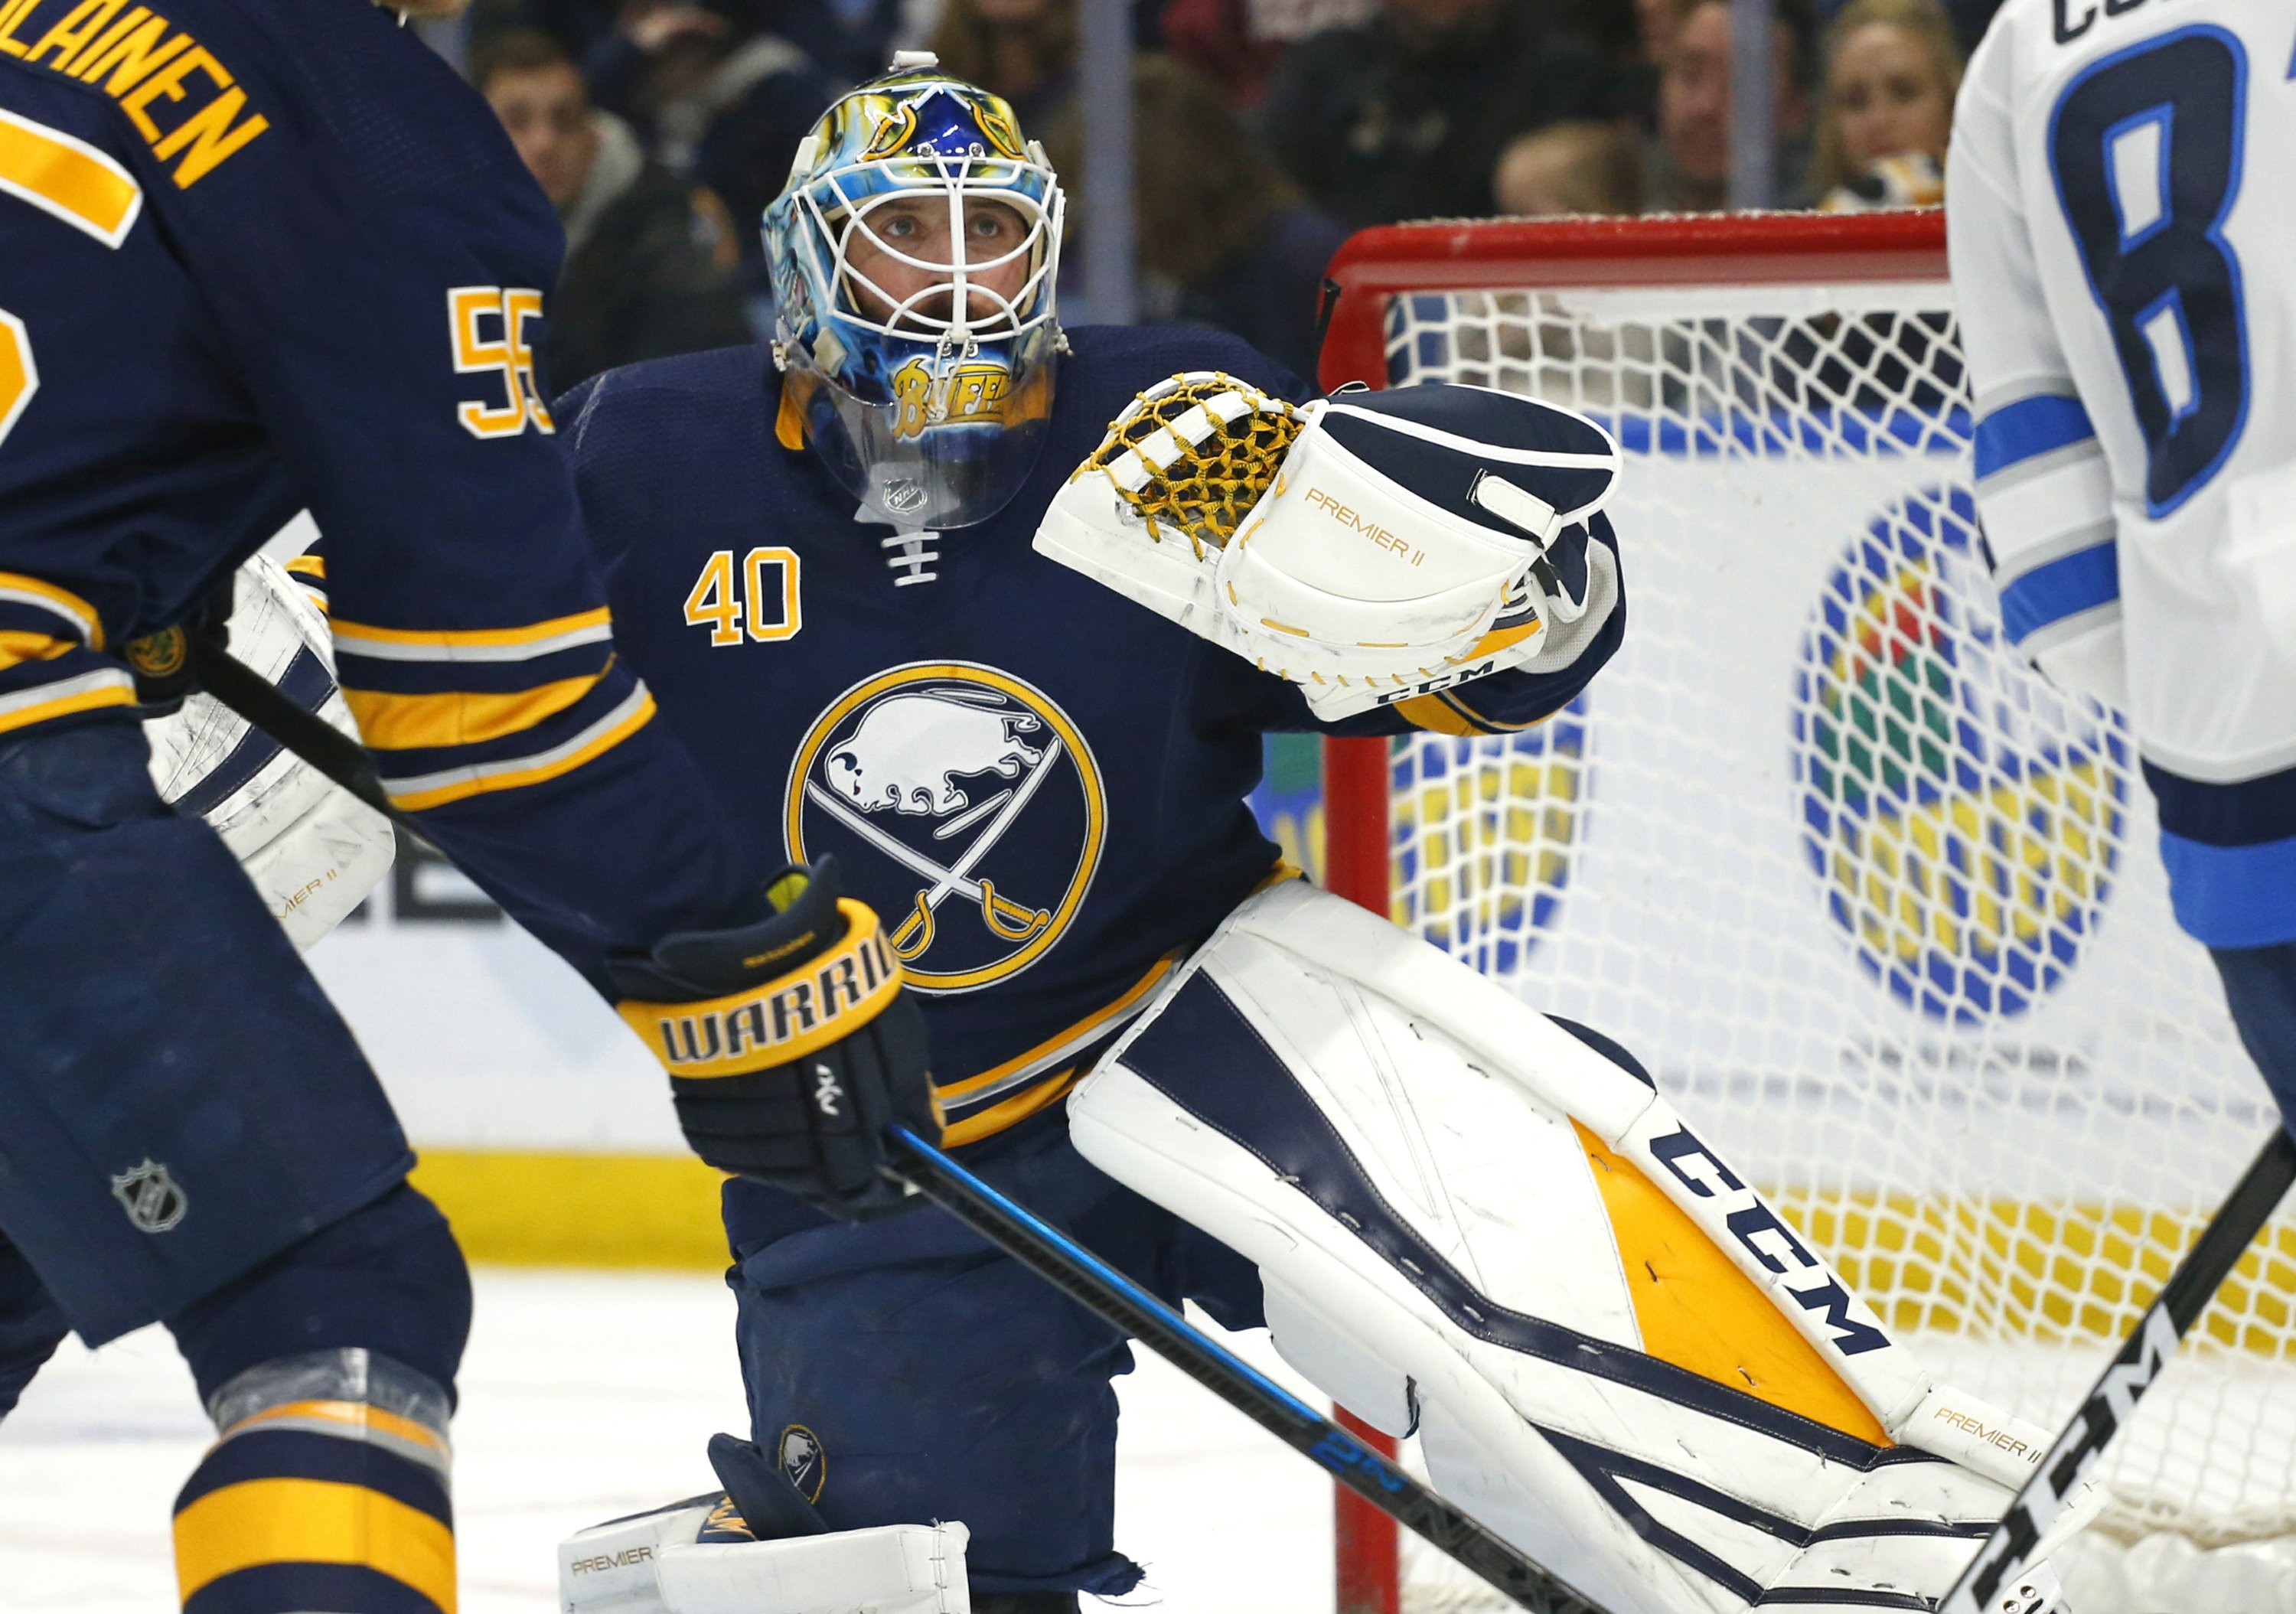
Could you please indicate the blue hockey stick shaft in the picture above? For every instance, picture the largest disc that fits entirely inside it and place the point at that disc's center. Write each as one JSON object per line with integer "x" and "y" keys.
{"x": 1121, "y": 1303}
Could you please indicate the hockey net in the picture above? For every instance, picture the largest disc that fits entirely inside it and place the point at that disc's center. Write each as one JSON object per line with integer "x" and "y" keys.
{"x": 1877, "y": 906}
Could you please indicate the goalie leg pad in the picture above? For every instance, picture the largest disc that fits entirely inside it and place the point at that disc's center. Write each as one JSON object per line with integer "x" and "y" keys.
{"x": 1465, "y": 1215}
{"x": 680, "y": 1559}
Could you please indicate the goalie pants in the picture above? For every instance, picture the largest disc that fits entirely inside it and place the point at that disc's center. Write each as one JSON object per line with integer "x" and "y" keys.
{"x": 903, "y": 1370}
{"x": 189, "y": 1133}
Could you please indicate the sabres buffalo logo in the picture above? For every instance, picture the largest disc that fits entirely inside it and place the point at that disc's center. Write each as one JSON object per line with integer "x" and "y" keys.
{"x": 966, "y": 808}
{"x": 1965, "y": 818}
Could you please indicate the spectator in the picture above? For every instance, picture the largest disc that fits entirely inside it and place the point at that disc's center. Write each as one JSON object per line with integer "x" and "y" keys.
{"x": 714, "y": 100}
{"x": 1892, "y": 67}
{"x": 1970, "y": 18}
{"x": 1223, "y": 40}
{"x": 1023, "y": 49}
{"x": 649, "y": 260}
{"x": 1404, "y": 117}
{"x": 1224, "y": 240}
{"x": 1655, "y": 22}
{"x": 1570, "y": 167}
{"x": 1690, "y": 164}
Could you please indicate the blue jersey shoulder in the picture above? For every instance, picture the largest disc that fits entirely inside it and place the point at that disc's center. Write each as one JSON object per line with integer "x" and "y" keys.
{"x": 660, "y": 430}
{"x": 1107, "y": 359}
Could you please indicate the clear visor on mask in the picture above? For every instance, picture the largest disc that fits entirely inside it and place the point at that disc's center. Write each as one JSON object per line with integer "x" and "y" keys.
{"x": 950, "y": 449}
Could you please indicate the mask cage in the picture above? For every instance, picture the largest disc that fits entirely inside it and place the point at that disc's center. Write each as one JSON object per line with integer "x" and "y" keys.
{"x": 841, "y": 203}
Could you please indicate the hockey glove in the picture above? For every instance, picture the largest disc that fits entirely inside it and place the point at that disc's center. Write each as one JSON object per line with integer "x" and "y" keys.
{"x": 1369, "y": 547}
{"x": 790, "y": 1046}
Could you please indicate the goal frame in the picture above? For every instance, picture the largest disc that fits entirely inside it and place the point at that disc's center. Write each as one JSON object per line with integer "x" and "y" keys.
{"x": 1533, "y": 254}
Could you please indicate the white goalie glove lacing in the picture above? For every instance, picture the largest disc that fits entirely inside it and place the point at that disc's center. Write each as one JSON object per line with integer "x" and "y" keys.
{"x": 1364, "y": 554}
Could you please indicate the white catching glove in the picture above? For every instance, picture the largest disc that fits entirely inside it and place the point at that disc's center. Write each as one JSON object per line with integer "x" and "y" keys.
{"x": 1369, "y": 547}
{"x": 312, "y": 849}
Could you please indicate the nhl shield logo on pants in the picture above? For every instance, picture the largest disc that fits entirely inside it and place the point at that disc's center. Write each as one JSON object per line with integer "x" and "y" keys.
{"x": 150, "y": 1196}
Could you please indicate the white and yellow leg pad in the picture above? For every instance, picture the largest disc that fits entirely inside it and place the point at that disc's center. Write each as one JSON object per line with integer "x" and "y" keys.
{"x": 652, "y": 1563}
{"x": 1470, "y": 1222}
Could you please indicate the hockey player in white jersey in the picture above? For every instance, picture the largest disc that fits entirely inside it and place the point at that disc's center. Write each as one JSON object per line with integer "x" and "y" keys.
{"x": 2124, "y": 256}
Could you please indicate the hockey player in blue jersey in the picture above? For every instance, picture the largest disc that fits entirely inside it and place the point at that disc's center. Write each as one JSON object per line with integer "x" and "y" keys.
{"x": 914, "y": 604}
{"x": 258, "y": 255}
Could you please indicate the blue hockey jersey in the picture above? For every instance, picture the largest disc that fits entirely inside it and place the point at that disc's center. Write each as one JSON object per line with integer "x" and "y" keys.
{"x": 1037, "y": 785}
{"x": 263, "y": 255}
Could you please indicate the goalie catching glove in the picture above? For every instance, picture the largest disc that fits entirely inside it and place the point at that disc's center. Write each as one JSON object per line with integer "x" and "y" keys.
{"x": 790, "y": 1046}
{"x": 1370, "y": 547}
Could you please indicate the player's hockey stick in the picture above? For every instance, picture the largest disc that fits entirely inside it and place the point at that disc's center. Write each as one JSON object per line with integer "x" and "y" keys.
{"x": 1092, "y": 1283}
{"x": 2112, "y": 1401}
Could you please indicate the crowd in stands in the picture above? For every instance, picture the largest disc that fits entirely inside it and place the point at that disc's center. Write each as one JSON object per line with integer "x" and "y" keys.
{"x": 1267, "y": 130}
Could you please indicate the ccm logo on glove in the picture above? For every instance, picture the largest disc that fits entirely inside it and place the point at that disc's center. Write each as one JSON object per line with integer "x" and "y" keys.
{"x": 783, "y": 1019}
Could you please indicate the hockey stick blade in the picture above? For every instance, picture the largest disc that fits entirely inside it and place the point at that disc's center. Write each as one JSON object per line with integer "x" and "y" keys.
{"x": 1092, "y": 1283}
{"x": 2008, "y": 1552}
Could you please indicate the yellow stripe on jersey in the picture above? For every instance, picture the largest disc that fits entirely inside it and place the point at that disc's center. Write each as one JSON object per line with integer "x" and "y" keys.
{"x": 46, "y": 701}
{"x": 1436, "y": 716}
{"x": 1011, "y": 1112}
{"x": 309, "y": 566}
{"x": 391, "y": 722}
{"x": 16, "y": 648}
{"x": 67, "y": 178}
{"x": 1064, "y": 1041}
{"x": 474, "y": 643}
{"x": 266, "y": 1522}
{"x": 17, "y": 589}
{"x": 457, "y": 784}
{"x": 1444, "y": 713}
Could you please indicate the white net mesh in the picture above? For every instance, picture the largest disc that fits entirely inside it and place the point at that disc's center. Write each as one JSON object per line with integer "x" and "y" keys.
{"x": 1879, "y": 908}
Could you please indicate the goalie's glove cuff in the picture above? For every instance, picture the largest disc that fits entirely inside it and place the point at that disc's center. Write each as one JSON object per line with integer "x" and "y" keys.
{"x": 790, "y": 1046}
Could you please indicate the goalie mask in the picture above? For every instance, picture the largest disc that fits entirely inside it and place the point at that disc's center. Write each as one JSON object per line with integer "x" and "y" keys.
{"x": 914, "y": 252}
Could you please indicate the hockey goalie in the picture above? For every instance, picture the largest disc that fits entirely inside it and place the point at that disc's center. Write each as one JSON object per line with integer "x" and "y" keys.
{"x": 995, "y": 681}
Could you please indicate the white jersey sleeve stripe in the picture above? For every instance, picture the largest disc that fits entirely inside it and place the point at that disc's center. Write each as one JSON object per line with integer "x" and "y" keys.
{"x": 2081, "y": 581}
{"x": 2030, "y": 427}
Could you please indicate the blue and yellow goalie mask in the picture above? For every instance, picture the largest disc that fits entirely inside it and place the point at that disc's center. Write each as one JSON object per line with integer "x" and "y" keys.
{"x": 914, "y": 252}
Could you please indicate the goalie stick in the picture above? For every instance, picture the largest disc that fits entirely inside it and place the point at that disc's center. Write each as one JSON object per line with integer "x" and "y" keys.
{"x": 1035, "y": 1244}
{"x": 1092, "y": 1283}
{"x": 2112, "y": 1401}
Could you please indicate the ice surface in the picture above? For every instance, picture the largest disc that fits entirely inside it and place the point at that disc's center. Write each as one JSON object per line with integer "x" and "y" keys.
{"x": 586, "y": 1395}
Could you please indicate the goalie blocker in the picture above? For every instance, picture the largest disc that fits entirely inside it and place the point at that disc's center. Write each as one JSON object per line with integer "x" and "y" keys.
{"x": 1474, "y": 1225}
